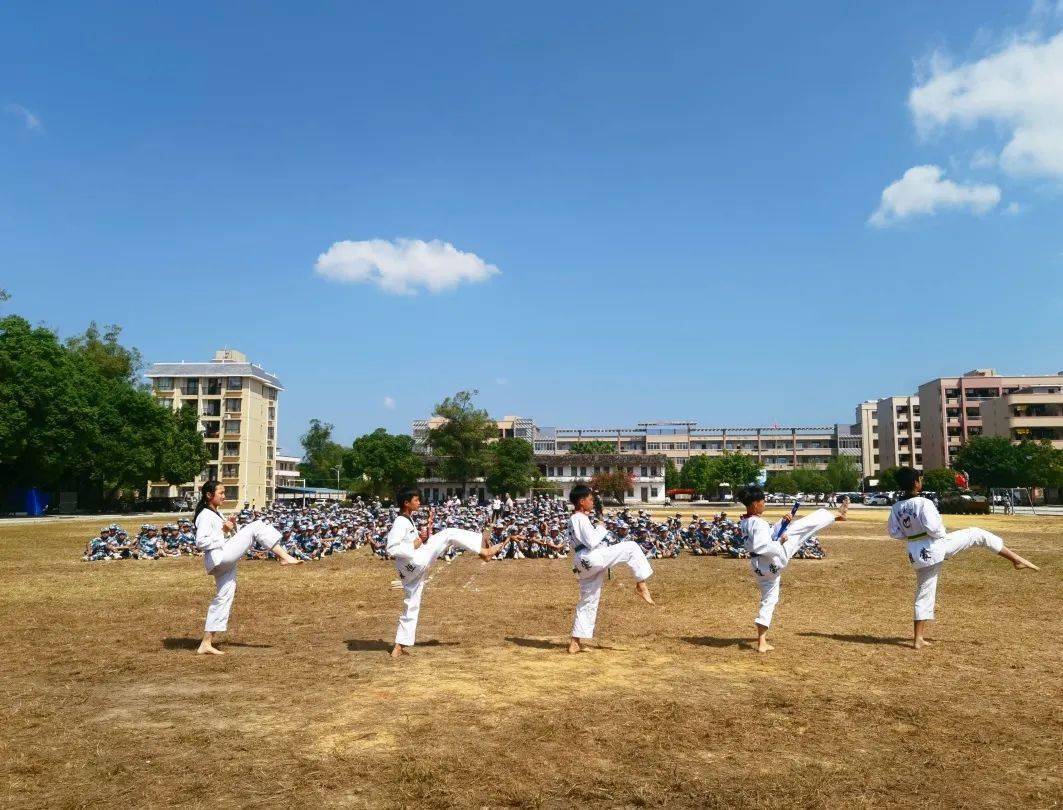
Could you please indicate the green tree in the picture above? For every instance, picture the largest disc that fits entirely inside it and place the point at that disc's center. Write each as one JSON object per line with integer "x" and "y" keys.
{"x": 696, "y": 474}
{"x": 113, "y": 360}
{"x": 991, "y": 461}
{"x": 594, "y": 447}
{"x": 887, "y": 479}
{"x": 510, "y": 466}
{"x": 461, "y": 441}
{"x": 940, "y": 480}
{"x": 1040, "y": 464}
{"x": 782, "y": 482}
{"x": 843, "y": 474}
{"x": 671, "y": 475}
{"x": 321, "y": 455}
{"x": 736, "y": 469}
{"x": 810, "y": 481}
{"x": 613, "y": 484}
{"x": 384, "y": 462}
{"x": 184, "y": 455}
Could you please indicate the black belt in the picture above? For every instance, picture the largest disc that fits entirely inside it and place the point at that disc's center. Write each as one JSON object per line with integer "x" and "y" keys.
{"x": 580, "y": 548}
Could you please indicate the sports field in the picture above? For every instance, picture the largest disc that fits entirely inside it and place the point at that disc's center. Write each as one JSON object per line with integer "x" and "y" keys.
{"x": 103, "y": 703}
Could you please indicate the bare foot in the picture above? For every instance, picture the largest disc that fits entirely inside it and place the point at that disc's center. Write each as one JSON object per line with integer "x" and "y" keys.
{"x": 643, "y": 591}
{"x": 292, "y": 561}
{"x": 577, "y": 646}
{"x": 489, "y": 552}
{"x": 843, "y": 511}
{"x": 919, "y": 643}
{"x": 1021, "y": 562}
{"x": 763, "y": 646}
{"x": 398, "y": 650}
{"x": 206, "y": 648}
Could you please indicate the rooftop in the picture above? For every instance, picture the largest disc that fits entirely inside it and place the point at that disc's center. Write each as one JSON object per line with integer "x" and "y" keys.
{"x": 226, "y": 363}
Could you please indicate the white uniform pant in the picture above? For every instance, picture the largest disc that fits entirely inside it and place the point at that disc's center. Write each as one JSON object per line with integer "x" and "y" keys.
{"x": 413, "y": 571}
{"x": 767, "y": 568}
{"x": 592, "y": 567}
{"x": 926, "y": 577}
{"x": 221, "y": 562}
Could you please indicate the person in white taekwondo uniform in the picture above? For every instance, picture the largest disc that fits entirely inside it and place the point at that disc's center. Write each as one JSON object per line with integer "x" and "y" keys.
{"x": 221, "y": 553}
{"x": 414, "y": 553}
{"x": 916, "y": 520}
{"x": 769, "y": 556}
{"x": 593, "y": 559}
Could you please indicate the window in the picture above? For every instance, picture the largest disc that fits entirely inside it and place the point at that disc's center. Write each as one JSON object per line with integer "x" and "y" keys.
{"x": 212, "y": 450}
{"x": 582, "y": 471}
{"x": 644, "y": 472}
{"x": 164, "y": 384}
{"x": 232, "y": 425}
{"x": 214, "y": 386}
{"x": 234, "y": 383}
{"x": 231, "y": 449}
{"x": 230, "y": 470}
{"x": 212, "y": 430}
{"x": 160, "y": 492}
{"x": 631, "y": 493}
{"x": 269, "y": 434}
{"x": 232, "y": 404}
{"x": 190, "y": 387}
{"x": 653, "y": 492}
{"x": 211, "y": 407}
{"x": 272, "y": 414}
{"x": 232, "y": 493}
{"x": 653, "y": 472}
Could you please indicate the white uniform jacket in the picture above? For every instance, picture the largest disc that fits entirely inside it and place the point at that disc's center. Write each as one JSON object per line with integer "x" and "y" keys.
{"x": 210, "y": 534}
{"x": 400, "y": 542}
{"x": 918, "y": 521}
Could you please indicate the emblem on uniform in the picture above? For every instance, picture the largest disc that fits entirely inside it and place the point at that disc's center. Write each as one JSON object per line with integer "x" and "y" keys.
{"x": 586, "y": 565}
{"x": 773, "y": 568}
{"x": 911, "y": 559}
{"x": 410, "y": 566}
{"x": 924, "y": 554}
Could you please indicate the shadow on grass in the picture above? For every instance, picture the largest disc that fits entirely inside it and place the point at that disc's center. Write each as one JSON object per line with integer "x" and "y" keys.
{"x": 378, "y": 645}
{"x": 186, "y": 643}
{"x": 546, "y": 644}
{"x": 886, "y": 641}
{"x": 710, "y": 641}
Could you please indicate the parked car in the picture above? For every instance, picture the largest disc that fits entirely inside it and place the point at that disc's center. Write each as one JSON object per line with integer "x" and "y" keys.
{"x": 878, "y": 499}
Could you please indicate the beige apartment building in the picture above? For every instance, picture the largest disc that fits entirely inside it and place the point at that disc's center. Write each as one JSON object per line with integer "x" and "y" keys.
{"x": 1034, "y": 414}
{"x": 899, "y": 432}
{"x": 866, "y": 428}
{"x": 237, "y": 406}
{"x": 951, "y": 408}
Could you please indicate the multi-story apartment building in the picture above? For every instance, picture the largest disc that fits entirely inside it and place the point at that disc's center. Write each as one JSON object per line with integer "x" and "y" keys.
{"x": 509, "y": 427}
{"x": 1034, "y": 413}
{"x": 951, "y": 408}
{"x": 776, "y": 447}
{"x": 866, "y": 427}
{"x": 899, "y": 433}
{"x": 237, "y": 406}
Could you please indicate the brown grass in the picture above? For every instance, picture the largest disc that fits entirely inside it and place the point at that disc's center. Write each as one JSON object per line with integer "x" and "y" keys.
{"x": 104, "y": 704}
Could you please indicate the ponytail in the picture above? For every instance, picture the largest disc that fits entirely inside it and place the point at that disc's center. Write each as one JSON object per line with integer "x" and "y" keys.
{"x": 208, "y": 489}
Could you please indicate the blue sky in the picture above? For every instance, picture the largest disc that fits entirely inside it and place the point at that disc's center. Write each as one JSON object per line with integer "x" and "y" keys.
{"x": 657, "y": 211}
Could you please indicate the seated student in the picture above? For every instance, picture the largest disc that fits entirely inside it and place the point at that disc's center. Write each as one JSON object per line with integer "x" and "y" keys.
{"x": 916, "y": 519}
{"x": 147, "y": 545}
{"x": 768, "y": 556}
{"x": 96, "y": 548}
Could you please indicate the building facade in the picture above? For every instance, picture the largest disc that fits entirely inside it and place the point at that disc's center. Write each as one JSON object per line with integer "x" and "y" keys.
{"x": 286, "y": 473}
{"x": 951, "y": 408}
{"x": 237, "y": 406}
{"x": 866, "y": 428}
{"x": 1033, "y": 414}
{"x": 900, "y": 438}
{"x": 564, "y": 470}
{"x": 776, "y": 448}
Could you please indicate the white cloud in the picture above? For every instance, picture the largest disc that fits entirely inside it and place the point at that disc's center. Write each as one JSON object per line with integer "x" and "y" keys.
{"x": 403, "y": 266}
{"x": 983, "y": 159}
{"x": 1013, "y": 209}
{"x": 1018, "y": 89}
{"x": 924, "y": 190}
{"x": 29, "y": 119}
{"x": 389, "y": 403}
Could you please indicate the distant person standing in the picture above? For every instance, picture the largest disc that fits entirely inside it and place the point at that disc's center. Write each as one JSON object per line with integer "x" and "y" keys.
{"x": 496, "y": 509}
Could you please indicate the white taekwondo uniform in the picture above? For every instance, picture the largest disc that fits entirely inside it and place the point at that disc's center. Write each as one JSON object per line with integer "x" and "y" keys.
{"x": 413, "y": 564}
{"x": 220, "y": 557}
{"x": 593, "y": 559}
{"x": 918, "y": 521}
{"x": 768, "y": 557}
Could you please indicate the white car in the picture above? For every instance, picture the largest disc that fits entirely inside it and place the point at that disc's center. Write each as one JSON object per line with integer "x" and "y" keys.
{"x": 878, "y": 499}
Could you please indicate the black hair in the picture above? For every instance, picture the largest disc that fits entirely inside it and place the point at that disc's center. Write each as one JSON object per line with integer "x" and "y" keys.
{"x": 906, "y": 478}
{"x": 404, "y": 496}
{"x": 750, "y": 495}
{"x": 205, "y": 492}
{"x": 578, "y": 493}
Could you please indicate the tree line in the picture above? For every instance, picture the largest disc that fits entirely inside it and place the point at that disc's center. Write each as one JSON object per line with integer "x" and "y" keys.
{"x": 74, "y": 416}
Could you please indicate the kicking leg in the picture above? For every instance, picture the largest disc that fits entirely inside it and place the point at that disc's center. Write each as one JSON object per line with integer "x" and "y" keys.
{"x": 963, "y": 539}
{"x": 629, "y": 553}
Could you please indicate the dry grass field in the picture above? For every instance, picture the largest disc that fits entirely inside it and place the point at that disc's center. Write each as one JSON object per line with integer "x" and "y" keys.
{"x": 103, "y": 703}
